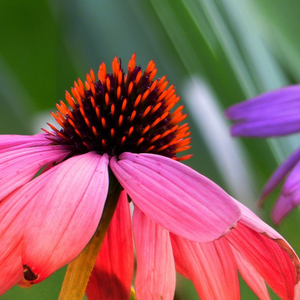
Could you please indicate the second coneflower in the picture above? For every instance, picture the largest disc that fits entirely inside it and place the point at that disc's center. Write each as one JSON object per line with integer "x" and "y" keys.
{"x": 118, "y": 141}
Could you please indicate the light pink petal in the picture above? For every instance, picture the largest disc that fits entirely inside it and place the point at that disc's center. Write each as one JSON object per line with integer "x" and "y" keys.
{"x": 155, "y": 274}
{"x": 17, "y": 167}
{"x": 251, "y": 277}
{"x": 210, "y": 266}
{"x": 297, "y": 291}
{"x": 280, "y": 173}
{"x": 274, "y": 113}
{"x": 14, "y": 142}
{"x": 67, "y": 210}
{"x": 112, "y": 275}
{"x": 269, "y": 254}
{"x": 175, "y": 196}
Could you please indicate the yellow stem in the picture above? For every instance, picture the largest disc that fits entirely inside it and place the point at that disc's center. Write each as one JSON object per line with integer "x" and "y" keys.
{"x": 132, "y": 294}
{"x": 80, "y": 269}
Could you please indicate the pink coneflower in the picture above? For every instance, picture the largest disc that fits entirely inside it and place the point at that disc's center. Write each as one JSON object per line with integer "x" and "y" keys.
{"x": 119, "y": 140}
{"x": 276, "y": 113}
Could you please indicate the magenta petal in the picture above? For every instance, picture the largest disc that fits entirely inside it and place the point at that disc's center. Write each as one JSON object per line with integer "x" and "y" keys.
{"x": 17, "y": 167}
{"x": 175, "y": 196}
{"x": 66, "y": 212}
{"x": 274, "y": 113}
{"x": 210, "y": 266}
{"x": 280, "y": 173}
{"x": 112, "y": 275}
{"x": 155, "y": 274}
{"x": 14, "y": 142}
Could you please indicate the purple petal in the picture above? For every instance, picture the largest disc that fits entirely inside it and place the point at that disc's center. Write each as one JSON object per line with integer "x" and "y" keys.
{"x": 284, "y": 205}
{"x": 175, "y": 196}
{"x": 275, "y": 113}
{"x": 289, "y": 197}
{"x": 280, "y": 173}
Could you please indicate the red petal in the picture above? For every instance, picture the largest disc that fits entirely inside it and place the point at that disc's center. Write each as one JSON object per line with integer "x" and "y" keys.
{"x": 112, "y": 275}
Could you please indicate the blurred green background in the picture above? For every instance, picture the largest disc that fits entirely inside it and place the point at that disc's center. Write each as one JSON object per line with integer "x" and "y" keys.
{"x": 216, "y": 52}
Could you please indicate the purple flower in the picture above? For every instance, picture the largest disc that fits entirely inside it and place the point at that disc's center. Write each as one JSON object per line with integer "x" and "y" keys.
{"x": 276, "y": 113}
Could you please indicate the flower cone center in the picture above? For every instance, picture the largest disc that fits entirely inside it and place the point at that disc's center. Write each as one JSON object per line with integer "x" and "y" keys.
{"x": 122, "y": 113}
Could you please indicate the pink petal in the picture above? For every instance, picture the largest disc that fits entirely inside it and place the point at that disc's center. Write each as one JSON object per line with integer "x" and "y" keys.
{"x": 11, "y": 271}
{"x": 297, "y": 291}
{"x": 268, "y": 259}
{"x": 14, "y": 142}
{"x": 68, "y": 203}
{"x": 155, "y": 275}
{"x": 274, "y": 113}
{"x": 280, "y": 173}
{"x": 252, "y": 221}
{"x": 175, "y": 196}
{"x": 266, "y": 250}
{"x": 112, "y": 275}
{"x": 251, "y": 277}
{"x": 210, "y": 266}
{"x": 13, "y": 212}
{"x": 17, "y": 167}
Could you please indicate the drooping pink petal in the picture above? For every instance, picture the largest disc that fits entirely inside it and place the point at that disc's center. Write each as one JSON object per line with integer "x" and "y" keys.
{"x": 251, "y": 277}
{"x": 11, "y": 270}
{"x": 66, "y": 212}
{"x": 210, "y": 266}
{"x": 155, "y": 275}
{"x": 266, "y": 250}
{"x": 112, "y": 275}
{"x": 17, "y": 167}
{"x": 280, "y": 173}
{"x": 274, "y": 113}
{"x": 13, "y": 216}
{"x": 175, "y": 196}
{"x": 14, "y": 142}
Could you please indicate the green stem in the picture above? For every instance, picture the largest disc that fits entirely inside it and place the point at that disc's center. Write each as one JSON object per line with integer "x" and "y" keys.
{"x": 80, "y": 269}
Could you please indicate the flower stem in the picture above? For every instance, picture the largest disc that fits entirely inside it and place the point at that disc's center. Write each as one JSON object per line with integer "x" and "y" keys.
{"x": 132, "y": 294}
{"x": 80, "y": 269}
